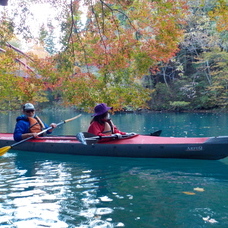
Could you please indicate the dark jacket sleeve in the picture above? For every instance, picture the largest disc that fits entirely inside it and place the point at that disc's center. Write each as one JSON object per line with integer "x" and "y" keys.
{"x": 21, "y": 127}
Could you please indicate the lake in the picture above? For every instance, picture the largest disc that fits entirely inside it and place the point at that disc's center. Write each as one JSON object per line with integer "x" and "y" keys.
{"x": 65, "y": 191}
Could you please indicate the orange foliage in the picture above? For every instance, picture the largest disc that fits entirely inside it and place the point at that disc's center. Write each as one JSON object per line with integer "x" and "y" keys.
{"x": 148, "y": 27}
{"x": 120, "y": 43}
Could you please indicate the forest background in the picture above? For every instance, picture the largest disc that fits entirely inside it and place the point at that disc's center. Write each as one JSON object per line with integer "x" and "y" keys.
{"x": 158, "y": 55}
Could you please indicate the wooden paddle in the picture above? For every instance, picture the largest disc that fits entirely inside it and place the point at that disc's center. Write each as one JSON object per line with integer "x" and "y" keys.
{"x": 88, "y": 138}
{"x": 5, "y": 149}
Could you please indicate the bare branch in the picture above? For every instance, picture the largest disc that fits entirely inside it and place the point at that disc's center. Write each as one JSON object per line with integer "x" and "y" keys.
{"x": 25, "y": 65}
{"x": 79, "y": 39}
{"x": 111, "y": 9}
{"x": 18, "y": 51}
{"x": 2, "y": 50}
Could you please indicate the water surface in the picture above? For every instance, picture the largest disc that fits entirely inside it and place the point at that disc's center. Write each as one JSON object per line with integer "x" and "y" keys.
{"x": 51, "y": 190}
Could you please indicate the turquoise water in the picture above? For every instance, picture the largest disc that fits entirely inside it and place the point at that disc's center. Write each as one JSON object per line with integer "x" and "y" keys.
{"x": 172, "y": 124}
{"x": 48, "y": 190}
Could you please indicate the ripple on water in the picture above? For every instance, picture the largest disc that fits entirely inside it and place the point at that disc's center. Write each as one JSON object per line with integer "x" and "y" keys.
{"x": 86, "y": 192}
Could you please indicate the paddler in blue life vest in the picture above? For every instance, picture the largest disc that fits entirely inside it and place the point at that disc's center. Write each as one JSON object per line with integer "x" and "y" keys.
{"x": 102, "y": 125}
{"x": 29, "y": 124}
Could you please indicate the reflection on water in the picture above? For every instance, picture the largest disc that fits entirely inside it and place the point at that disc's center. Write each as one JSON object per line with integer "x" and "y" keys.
{"x": 41, "y": 190}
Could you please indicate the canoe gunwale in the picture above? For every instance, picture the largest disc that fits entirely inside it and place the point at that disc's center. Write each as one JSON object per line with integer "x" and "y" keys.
{"x": 210, "y": 148}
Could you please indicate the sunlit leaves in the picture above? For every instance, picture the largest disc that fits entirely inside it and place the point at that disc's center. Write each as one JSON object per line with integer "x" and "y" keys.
{"x": 148, "y": 27}
{"x": 220, "y": 15}
{"x": 8, "y": 83}
{"x": 218, "y": 90}
{"x": 18, "y": 82}
{"x": 6, "y": 30}
{"x": 124, "y": 38}
{"x": 119, "y": 43}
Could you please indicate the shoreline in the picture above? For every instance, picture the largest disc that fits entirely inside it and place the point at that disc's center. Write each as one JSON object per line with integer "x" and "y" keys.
{"x": 131, "y": 111}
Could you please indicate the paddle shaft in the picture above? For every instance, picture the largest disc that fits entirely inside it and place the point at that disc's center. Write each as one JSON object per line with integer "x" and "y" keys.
{"x": 91, "y": 138}
{"x": 85, "y": 137}
{"x": 88, "y": 135}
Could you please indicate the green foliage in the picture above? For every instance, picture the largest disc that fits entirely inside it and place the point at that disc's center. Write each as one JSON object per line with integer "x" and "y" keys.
{"x": 179, "y": 105}
{"x": 6, "y": 30}
{"x": 160, "y": 99}
{"x": 218, "y": 62}
{"x": 183, "y": 49}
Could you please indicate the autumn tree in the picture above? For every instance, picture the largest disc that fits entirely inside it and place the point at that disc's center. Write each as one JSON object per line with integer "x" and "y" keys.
{"x": 189, "y": 75}
{"x": 119, "y": 43}
{"x": 18, "y": 81}
{"x": 104, "y": 59}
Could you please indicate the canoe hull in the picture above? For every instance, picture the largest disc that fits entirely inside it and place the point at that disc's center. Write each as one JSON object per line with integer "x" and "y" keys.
{"x": 201, "y": 148}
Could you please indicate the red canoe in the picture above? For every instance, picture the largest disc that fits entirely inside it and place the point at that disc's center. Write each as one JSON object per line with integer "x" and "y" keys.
{"x": 140, "y": 146}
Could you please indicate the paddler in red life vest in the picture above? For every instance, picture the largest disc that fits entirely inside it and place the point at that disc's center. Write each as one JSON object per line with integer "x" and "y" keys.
{"x": 102, "y": 125}
{"x": 29, "y": 124}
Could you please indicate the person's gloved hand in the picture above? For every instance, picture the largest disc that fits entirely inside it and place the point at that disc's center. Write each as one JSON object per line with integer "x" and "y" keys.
{"x": 118, "y": 136}
{"x": 53, "y": 125}
{"x": 131, "y": 134}
{"x": 35, "y": 135}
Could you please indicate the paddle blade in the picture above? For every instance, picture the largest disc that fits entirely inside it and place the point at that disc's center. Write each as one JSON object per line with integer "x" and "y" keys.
{"x": 4, "y": 149}
{"x": 80, "y": 137}
{"x": 156, "y": 133}
{"x": 86, "y": 138}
